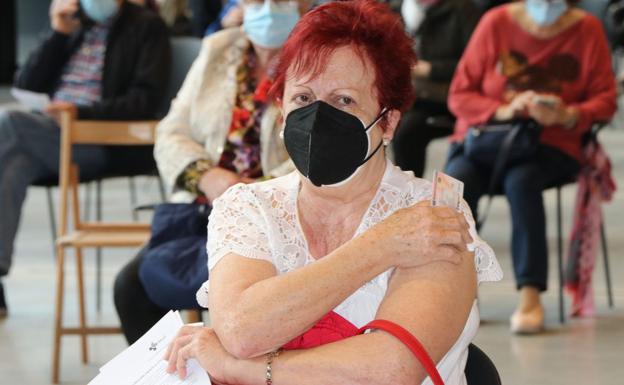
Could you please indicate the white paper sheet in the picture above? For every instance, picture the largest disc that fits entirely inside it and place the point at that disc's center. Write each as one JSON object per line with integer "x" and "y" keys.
{"x": 32, "y": 100}
{"x": 142, "y": 363}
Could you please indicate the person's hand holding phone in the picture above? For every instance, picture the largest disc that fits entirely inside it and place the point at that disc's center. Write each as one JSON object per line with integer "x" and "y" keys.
{"x": 549, "y": 110}
{"x": 63, "y": 16}
{"x": 515, "y": 108}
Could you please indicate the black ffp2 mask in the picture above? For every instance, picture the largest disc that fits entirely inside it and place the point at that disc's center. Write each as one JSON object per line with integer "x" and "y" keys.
{"x": 327, "y": 145}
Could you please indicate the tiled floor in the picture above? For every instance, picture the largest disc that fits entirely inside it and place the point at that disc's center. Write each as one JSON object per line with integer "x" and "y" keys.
{"x": 589, "y": 351}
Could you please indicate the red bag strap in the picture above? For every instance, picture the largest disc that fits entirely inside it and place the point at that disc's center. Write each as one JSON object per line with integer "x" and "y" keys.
{"x": 411, "y": 342}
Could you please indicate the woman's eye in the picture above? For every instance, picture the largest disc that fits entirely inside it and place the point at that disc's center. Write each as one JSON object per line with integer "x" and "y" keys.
{"x": 302, "y": 99}
{"x": 345, "y": 100}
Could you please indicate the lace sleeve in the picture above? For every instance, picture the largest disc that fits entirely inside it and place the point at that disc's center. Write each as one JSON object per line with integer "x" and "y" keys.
{"x": 236, "y": 225}
{"x": 488, "y": 268}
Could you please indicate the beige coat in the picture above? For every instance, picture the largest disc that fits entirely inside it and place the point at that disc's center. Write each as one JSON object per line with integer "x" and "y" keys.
{"x": 200, "y": 115}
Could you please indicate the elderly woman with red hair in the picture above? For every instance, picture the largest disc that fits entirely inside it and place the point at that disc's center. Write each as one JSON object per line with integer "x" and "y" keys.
{"x": 299, "y": 264}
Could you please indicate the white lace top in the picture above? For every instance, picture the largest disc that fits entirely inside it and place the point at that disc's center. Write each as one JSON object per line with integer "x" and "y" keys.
{"x": 260, "y": 221}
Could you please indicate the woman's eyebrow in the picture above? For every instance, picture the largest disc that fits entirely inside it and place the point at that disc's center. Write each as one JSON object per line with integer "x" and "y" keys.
{"x": 302, "y": 85}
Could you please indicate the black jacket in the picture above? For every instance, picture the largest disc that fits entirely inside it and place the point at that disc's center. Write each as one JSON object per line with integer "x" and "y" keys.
{"x": 136, "y": 65}
{"x": 441, "y": 39}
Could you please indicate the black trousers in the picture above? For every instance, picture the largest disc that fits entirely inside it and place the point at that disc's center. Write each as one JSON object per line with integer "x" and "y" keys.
{"x": 414, "y": 134}
{"x": 136, "y": 311}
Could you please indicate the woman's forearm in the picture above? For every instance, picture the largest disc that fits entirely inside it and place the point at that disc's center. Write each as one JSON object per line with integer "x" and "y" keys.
{"x": 375, "y": 358}
{"x": 436, "y": 319}
{"x": 270, "y": 312}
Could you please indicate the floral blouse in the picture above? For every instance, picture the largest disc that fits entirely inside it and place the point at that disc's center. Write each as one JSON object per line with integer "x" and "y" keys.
{"x": 241, "y": 152}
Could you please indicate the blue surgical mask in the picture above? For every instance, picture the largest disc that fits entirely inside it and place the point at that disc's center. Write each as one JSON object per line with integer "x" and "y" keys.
{"x": 269, "y": 24}
{"x": 99, "y": 10}
{"x": 544, "y": 12}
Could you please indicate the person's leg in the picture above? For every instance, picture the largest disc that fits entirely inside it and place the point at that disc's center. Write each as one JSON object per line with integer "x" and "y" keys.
{"x": 18, "y": 170}
{"x": 414, "y": 134}
{"x": 410, "y": 141}
{"x": 523, "y": 185}
{"x": 29, "y": 150}
{"x": 136, "y": 312}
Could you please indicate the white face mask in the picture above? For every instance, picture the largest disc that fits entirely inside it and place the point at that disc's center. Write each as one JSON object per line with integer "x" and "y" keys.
{"x": 269, "y": 24}
{"x": 413, "y": 14}
{"x": 544, "y": 12}
{"x": 99, "y": 10}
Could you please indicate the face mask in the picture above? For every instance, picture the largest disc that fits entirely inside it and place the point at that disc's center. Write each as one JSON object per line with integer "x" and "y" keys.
{"x": 270, "y": 23}
{"x": 543, "y": 12}
{"x": 326, "y": 144}
{"x": 99, "y": 10}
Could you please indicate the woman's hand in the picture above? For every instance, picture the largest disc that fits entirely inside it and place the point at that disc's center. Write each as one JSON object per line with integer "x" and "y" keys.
{"x": 517, "y": 107}
{"x": 233, "y": 18}
{"x": 421, "y": 234}
{"x": 202, "y": 344}
{"x": 549, "y": 110}
{"x": 215, "y": 181}
{"x": 62, "y": 17}
{"x": 422, "y": 69}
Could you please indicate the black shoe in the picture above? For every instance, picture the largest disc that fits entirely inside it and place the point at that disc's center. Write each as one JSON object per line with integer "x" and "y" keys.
{"x": 3, "y": 305}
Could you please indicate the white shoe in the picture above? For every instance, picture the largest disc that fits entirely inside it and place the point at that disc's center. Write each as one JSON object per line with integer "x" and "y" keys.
{"x": 528, "y": 322}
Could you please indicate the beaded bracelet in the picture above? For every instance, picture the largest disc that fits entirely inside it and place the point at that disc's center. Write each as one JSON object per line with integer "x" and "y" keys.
{"x": 269, "y": 371}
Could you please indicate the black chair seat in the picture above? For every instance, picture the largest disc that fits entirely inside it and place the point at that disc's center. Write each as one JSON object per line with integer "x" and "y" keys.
{"x": 480, "y": 369}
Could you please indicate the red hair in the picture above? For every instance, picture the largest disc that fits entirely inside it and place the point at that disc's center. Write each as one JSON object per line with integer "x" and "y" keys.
{"x": 371, "y": 28}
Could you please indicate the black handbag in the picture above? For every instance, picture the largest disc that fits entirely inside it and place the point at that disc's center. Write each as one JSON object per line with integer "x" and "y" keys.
{"x": 498, "y": 145}
{"x": 484, "y": 143}
{"x": 175, "y": 262}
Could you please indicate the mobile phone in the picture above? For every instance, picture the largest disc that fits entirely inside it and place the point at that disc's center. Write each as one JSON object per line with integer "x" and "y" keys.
{"x": 546, "y": 100}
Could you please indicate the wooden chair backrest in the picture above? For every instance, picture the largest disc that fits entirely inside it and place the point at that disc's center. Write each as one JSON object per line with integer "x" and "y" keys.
{"x": 118, "y": 133}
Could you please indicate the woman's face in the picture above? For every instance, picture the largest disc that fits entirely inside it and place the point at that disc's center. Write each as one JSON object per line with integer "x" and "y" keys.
{"x": 347, "y": 83}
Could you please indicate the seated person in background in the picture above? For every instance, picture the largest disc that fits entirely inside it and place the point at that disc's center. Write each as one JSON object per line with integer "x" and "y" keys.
{"x": 441, "y": 30}
{"x": 521, "y": 56}
{"x": 221, "y": 130}
{"x": 308, "y": 258}
{"x": 111, "y": 63}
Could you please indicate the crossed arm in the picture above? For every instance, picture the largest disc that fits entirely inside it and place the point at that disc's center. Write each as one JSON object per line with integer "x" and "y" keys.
{"x": 432, "y": 301}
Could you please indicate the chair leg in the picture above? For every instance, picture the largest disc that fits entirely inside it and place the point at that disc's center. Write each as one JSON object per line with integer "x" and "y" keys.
{"x": 161, "y": 188}
{"x": 133, "y": 198}
{"x": 560, "y": 256}
{"x": 58, "y": 316}
{"x": 87, "y": 202}
{"x": 52, "y": 215}
{"x": 81, "y": 306}
{"x": 98, "y": 251}
{"x": 605, "y": 256}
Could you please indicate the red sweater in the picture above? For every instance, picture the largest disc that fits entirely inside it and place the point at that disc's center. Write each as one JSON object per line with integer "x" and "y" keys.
{"x": 502, "y": 59}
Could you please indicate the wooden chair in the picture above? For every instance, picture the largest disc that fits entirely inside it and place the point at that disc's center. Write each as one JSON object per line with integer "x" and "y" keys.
{"x": 89, "y": 234}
